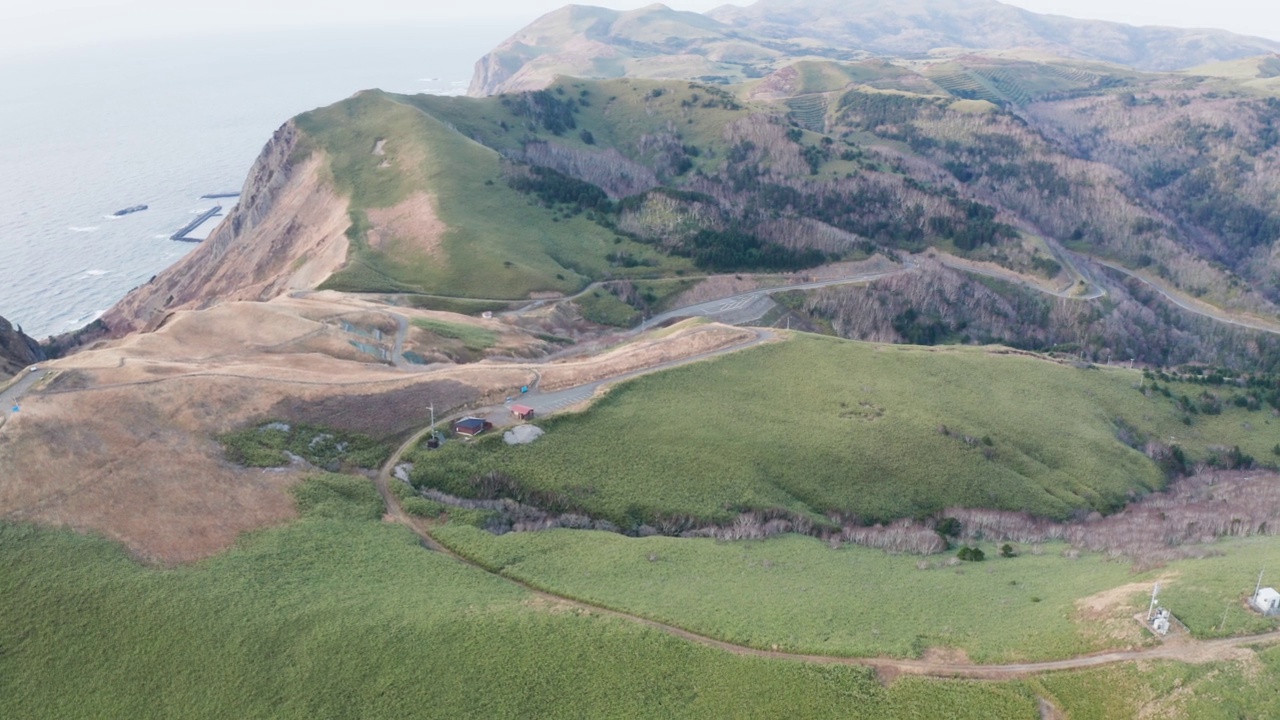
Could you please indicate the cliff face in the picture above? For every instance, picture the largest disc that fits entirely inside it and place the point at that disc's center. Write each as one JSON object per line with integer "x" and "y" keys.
{"x": 286, "y": 234}
{"x": 16, "y": 350}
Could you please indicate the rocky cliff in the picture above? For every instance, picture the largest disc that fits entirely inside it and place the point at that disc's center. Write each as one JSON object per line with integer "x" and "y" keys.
{"x": 16, "y": 350}
{"x": 287, "y": 233}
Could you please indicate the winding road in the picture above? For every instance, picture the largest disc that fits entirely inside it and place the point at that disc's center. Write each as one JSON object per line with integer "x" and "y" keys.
{"x": 12, "y": 394}
{"x": 1201, "y": 309}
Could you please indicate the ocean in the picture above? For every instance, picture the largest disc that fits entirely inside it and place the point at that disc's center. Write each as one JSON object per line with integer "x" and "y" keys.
{"x": 87, "y": 132}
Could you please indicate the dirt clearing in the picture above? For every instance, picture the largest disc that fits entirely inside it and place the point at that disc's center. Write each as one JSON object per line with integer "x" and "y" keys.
{"x": 641, "y": 354}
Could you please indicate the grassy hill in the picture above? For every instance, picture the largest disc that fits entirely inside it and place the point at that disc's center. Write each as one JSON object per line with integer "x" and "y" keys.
{"x": 341, "y": 616}
{"x": 494, "y": 244}
{"x": 818, "y": 425}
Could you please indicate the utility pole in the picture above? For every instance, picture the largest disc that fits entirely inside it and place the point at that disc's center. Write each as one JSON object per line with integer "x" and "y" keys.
{"x": 1152, "y": 609}
{"x": 433, "y": 420}
{"x": 1257, "y": 588}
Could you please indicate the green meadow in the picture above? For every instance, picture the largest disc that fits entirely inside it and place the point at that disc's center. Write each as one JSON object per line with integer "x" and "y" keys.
{"x": 797, "y": 594}
{"x": 471, "y": 336}
{"x": 339, "y": 615}
{"x": 815, "y": 425}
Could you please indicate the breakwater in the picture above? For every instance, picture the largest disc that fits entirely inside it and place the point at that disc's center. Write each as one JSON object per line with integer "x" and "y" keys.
{"x": 181, "y": 235}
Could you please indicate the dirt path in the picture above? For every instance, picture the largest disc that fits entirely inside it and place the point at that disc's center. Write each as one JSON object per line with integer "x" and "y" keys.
{"x": 1191, "y": 651}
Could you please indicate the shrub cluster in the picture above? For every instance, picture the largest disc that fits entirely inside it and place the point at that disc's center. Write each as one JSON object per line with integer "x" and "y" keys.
{"x": 271, "y": 445}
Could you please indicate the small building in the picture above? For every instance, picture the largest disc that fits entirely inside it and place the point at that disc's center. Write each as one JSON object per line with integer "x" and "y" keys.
{"x": 524, "y": 412}
{"x": 1266, "y": 601}
{"x": 471, "y": 426}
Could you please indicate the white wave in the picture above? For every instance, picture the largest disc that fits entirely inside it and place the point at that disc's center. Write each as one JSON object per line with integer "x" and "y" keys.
{"x": 113, "y": 217}
{"x": 73, "y": 228}
{"x": 95, "y": 273}
{"x": 160, "y": 237}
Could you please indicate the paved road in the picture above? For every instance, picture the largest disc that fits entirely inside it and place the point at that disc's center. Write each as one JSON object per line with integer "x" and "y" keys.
{"x": 1094, "y": 292}
{"x": 546, "y": 403}
{"x": 748, "y": 306}
{"x": 1198, "y": 309}
{"x": 11, "y": 396}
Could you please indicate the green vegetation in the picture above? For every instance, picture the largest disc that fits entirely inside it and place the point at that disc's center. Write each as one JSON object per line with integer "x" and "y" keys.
{"x": 457, "y": 305}
{"x": 269, "y": 445}
{"x": 1214, "y": 691}
{"x": 605, "y": 308}
{"x": 880, "y": 432}
{"x": 339, "y": 615}
{"x": 798, "y": 594}
{"x": 472, "y": 337}
{"x": 496, "y": 244}
{"x": 802, "y": 596}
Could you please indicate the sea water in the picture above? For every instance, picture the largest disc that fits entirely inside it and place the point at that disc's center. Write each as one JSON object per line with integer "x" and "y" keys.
{"x": 87, "y": 132}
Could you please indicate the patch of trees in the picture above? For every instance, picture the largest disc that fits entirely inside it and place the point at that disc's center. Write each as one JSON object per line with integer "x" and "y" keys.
{"x": 556, "y": 188}
{"x": 868, "y": 111}
{"x": 1160, "y": 527}
{"x": 1212, "y": 204}
{"x": 976, "y": 226}
{"x": 1144, "y": 327}
{"x": 543, "y": 108}
{"x": 916, "y": 328}
{"x": 716, "y": 97}
{"x": 731, "y": 250}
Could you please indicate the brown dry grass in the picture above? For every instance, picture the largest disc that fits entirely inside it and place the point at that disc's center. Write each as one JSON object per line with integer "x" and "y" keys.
{"x": 140, "y": 465}
{"x": 123, "y": 441}
{"x": 644, "y": 353}
{"x": 1108, "y": 615}
{"x": 412, "y": 225}
{"x": 715, "y": 288}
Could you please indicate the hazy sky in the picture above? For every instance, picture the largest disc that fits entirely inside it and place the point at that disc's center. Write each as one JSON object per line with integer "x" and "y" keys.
{"x": 29, "y": 25}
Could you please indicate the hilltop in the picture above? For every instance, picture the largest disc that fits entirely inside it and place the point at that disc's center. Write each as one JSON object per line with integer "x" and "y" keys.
{"x": 732, "y": 44}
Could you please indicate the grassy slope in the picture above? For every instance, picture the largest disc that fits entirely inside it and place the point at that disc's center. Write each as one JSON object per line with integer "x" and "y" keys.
{"x": 798, "y": 594}
{"x": 498, "y": 245}
{"x": 1216, "y": 691}
{"x": 817, "y": 424}
{"x": 619, "y": 114}
{"x": 339, "y": 615}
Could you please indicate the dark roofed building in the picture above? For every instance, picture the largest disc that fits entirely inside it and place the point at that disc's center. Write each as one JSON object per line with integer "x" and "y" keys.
{"x": 471, "y": 426}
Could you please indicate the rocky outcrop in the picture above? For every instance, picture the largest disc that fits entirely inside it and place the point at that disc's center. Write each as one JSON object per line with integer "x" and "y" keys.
{"x": 16, "y": 350}
{"x": 286, "y": 234}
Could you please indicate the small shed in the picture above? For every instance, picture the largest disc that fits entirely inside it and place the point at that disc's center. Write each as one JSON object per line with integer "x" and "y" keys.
{"x": 524, "y": 412}
{"x": 471, "y": 426}
{"x": 1267, "y": 601}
